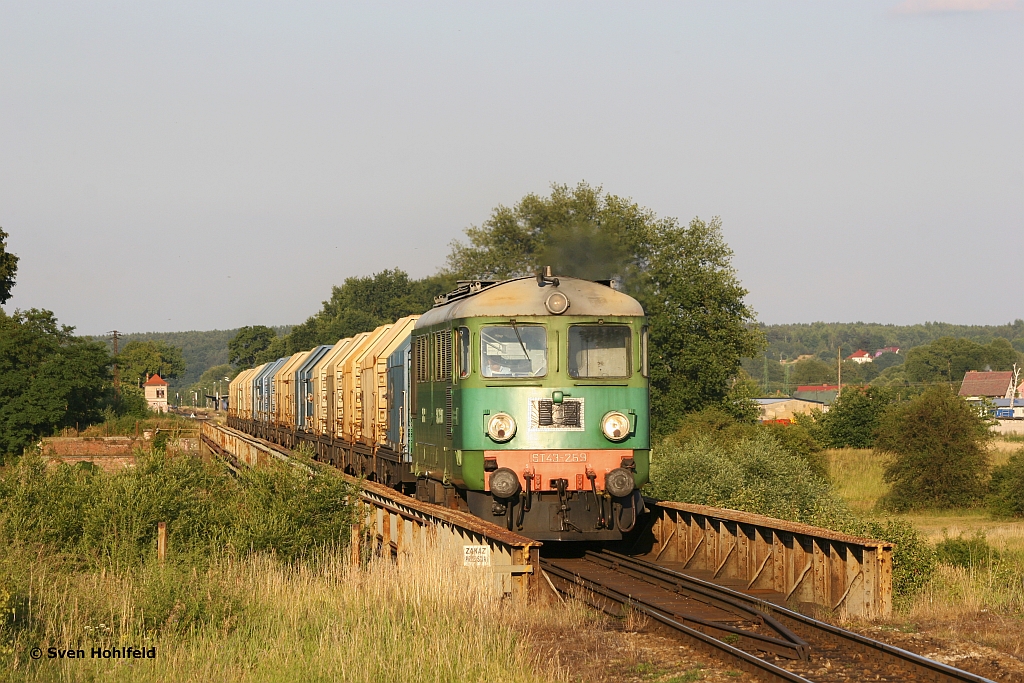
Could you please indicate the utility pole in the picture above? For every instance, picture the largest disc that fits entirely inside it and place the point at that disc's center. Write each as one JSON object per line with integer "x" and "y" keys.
{"x": 115, "y": 336}
{"x": 765, "y": 374}
{"x": 839, "y": 356}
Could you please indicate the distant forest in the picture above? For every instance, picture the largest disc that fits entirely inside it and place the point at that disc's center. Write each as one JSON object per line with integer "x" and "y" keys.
{"x": 941, "y": 353}
{"x": 787, "y": 342}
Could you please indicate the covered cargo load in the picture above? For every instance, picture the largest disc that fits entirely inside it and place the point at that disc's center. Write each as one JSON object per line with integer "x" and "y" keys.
{"x": 305, "y": 394}
{"x": 399, "y": 364}
{"x": 374, "y": 382}
{"x": 336, "y": 388}
{"x": 324, "y": 386}
{"x": 263, "y": 391}
{"x": 352, "y": 379}
{"x": 284, "y": 390}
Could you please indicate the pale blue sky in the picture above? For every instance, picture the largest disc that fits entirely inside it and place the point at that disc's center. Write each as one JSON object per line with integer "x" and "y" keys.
{"x": 198, "y": 165}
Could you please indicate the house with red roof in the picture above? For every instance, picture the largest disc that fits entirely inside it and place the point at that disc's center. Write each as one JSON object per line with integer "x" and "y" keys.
{"x": 979, "y": 385}
{"x": 860, "y": 356}
{"x": 156, "y": 394}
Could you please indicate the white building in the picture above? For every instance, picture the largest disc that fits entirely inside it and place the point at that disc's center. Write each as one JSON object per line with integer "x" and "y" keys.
{"x": 860, "y": 356}
{"x": 156, "y": 393}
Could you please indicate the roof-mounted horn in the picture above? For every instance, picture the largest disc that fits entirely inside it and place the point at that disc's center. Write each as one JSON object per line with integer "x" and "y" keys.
{"x": 544, "y": 277}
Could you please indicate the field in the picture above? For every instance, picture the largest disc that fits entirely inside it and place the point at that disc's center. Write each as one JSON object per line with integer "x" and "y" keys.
{"x": 979, "y": 601}
{"x": 321, "y": 619}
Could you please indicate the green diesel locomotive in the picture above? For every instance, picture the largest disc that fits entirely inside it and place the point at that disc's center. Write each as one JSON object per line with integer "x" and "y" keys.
{"x": 529, "y": 405}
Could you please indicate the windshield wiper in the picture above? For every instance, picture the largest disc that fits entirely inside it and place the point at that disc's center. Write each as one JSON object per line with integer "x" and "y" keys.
{"x": 516, "y": 330}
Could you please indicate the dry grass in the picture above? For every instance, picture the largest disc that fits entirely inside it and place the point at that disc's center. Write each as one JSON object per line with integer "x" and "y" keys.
{"x": 311, "y": 621}
{"x": 981, "y": 604}
{"x": 857, "y": 475}
{"x": 1002, "y": 535}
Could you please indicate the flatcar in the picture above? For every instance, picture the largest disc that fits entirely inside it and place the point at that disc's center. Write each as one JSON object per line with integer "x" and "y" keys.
{"x": 524, "y": 402}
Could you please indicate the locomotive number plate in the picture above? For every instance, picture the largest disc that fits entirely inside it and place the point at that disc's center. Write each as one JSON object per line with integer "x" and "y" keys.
{"x": 558, "y": 457}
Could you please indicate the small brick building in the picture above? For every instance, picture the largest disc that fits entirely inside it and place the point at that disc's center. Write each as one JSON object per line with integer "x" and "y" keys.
{"x": 156, "y": 393}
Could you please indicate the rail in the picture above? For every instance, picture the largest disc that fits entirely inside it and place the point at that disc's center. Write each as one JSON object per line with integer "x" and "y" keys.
{"x": 741, "y": 629}
{"x": 393, "y": 524}
{"x": 784, "y": 562}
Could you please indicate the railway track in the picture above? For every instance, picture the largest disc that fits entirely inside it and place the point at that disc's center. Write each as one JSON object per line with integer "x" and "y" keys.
{"x": 761, "y": 638}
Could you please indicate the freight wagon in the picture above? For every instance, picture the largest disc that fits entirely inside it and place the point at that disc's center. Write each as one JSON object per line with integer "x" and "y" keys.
{"x": 524, "y": 402}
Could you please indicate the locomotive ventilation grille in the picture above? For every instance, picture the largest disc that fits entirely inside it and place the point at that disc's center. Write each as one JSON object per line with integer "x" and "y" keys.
{"x": 548, "y": 416}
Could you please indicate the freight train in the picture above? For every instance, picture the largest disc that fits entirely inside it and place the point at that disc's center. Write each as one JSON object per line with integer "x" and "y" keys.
{"x": 524, "y": 402}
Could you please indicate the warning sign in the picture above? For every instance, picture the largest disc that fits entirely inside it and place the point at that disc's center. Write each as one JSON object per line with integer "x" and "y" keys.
{"x": 476, "y": 556}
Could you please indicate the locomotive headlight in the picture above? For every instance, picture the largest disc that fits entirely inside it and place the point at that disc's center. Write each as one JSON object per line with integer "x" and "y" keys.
{"x": 504, "y": 483}
{"x": 501, "y": 427}
{"x": 615, "y": 426}
{"x": 619, "y": 482}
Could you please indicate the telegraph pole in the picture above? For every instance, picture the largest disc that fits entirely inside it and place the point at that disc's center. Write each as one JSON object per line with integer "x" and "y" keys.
{"x": 115, "y": 336}
{"x": 839, "y": 357}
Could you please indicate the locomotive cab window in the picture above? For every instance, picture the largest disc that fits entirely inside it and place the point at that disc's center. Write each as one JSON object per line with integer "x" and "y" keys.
{"x": 465, "y": 361}
{"x": 511, "y": 351}
{"x": 599, "y": 351}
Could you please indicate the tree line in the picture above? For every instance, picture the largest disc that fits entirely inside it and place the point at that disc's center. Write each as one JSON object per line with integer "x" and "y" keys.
{"x": 944, "y": 360}
{"x": 790, "y": 341}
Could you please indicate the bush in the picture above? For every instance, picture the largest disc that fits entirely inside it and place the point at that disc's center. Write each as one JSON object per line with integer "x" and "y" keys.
{"x": 757, "y": 474}
{"x": 938, "y": 456}
{"x": 799, "y": 441}
{"x": 1006, "y": 488}
{"x": 112, "y": 518}
{"x": 854, "y": 417}
{"x": 754, "y": 474}
{"x": 968, "y": 552}
{"x": 721, "y": 427}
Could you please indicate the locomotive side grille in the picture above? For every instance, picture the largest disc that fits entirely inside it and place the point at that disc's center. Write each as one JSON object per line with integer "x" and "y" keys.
{"x": 546, "y": 415}
{"x": 443, "y": 355}
{"x": 448, "y": 412}
{"x": 420, "y": 358}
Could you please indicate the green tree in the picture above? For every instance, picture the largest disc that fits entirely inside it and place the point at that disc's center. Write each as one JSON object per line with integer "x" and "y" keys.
{"x": 579, "y": 231}
{"x": 854, "y": 417}
{"x": 48, "y": 378}
{"x": 138, "y": 360}
{"x": 938, "y": 456}
{"x": 1006, "y": 498}
{"x": 8, "y": 269}
{"x": 700, "y": 326}
{"x": 947, "y": 359}
{"x": 813, "y": 371}
{"x": 360, "y": 304}
{"x": 888, "y": 360}
{"x": 248, "y": 343}
{"x": 213, "y": 380}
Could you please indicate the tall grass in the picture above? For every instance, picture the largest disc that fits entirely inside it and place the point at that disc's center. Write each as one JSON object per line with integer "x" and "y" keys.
{"x": 253, "y": 588}
{"x": 857, "y": 476}
{"x": 979, "y": 568}
{"x": 258, "y": 619}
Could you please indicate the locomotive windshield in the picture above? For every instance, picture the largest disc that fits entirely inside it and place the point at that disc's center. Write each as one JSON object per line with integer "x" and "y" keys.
{"x": 513, "y": 351}
{"x": 599, "y": 351}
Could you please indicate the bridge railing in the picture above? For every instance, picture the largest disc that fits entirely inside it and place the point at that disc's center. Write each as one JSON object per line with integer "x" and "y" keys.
{"x": 392, "y": 524}
{"x": 787, "y": 561}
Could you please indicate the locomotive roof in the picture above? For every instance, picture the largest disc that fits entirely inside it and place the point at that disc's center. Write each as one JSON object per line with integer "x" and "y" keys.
{"x": 526, "y": 296}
